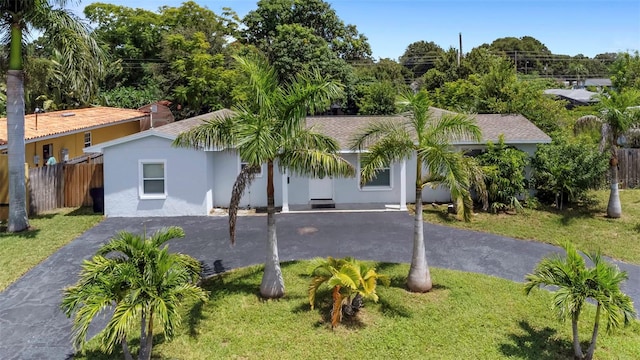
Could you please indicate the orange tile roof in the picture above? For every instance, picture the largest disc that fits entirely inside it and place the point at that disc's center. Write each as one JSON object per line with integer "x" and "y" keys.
{"x": 71, "y": 121}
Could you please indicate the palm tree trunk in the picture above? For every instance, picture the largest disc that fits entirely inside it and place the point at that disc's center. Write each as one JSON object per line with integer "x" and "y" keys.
{"x": 577, "y": 350}
{"x": 126, "y": 351}
{"x": 18, "y": 219}
{"x": 272, "y": 285}
{"x": 419, "y": 279}
{"x": 592, "y": 346}
{"x": 144, "y": 353}
{"x": 614, "y": 209}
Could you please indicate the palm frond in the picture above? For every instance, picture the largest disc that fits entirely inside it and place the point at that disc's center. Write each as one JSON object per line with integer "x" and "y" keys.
{"x": 217, "y": 132}
{"x": 449, "y": 128}
{"x": 263, "y": 81}
{"x": 244, "y": 179}
{"x": 377, "y": 131}
{"x": 165, "y": 234}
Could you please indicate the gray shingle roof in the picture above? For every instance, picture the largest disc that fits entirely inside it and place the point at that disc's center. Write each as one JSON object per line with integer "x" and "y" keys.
{"x": 515, "y": 128}
{"x": 581, "y": 95}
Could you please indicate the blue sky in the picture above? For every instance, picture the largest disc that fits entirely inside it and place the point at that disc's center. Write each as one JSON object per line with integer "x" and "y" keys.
{"x": 568, "y": 27}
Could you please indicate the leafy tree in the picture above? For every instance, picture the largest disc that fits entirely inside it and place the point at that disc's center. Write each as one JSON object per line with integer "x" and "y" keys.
{"x": 565, "y": 171}
{"x": 79, "y": 52}
{"x": 128, "y": 97}
{"x": 618, "y": 114}
{"x": 576, "y": 283}
{"x": 420, "y": 56}
{"x": 379, "y": 98}
{"x": 505, "y": 177}
{"x": 346, "y": 277}
{"x": 270, "y": 128}
{"x": 625, "y": 71}
{"x": 141, "y": 281}
{"x": 427, "y": 138}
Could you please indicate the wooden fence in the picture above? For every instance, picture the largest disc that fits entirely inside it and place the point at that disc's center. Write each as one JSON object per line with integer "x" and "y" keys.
{"x": 629, "y": 168}
{"x": 63, "y": 185}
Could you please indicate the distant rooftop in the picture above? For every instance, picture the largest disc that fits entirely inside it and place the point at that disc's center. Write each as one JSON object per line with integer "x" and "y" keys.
{"x": 577, "y": 95}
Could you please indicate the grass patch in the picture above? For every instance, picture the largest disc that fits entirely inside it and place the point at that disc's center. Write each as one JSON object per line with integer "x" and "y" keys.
{"x": 585, "y": 225}
{"x": 48, "y": 233}
{"x": 466, "y": 316}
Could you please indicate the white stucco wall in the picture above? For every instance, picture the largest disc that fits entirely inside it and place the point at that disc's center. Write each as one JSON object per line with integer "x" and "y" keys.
{"x": 188, "y": 181}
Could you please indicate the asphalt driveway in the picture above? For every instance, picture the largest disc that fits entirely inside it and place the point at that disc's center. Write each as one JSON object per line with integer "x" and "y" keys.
{"x": 33, "y": 327}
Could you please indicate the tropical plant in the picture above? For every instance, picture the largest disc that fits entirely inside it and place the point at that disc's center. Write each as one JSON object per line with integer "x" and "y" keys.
{"x": 80, "y": 55}
{"x": 619, "y": 112}
{"x": 426, "y": 137}
{"x": 576, "y": 284}
{"x": 143, "y": 283}
{"x": 565, "y": 171}
{"x": 350, "y": 280}
{"x": 271, "y": 128}
{"x": 505, "y": 178}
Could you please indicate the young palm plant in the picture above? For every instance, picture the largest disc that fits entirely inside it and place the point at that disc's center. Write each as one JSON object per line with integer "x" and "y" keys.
{"x": 271, "y": 128}
{"x": 576, "y": 283}
{"x": 619, "y": 113}
{"x": 351, "y": 282}
{"x": 82, "y": 58}
{"x": 426, "y": 137}
{"x": 143, "y": 283}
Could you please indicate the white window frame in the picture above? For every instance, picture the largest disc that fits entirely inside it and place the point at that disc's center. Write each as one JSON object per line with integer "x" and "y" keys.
{"x": 87, "y": 144}
{"x": 375, "y": 187}
{"x": 141, "y": 178}
{"x": 242, "y": 164}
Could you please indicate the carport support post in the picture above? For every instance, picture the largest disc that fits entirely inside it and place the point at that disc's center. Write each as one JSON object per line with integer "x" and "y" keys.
{"x": 285, "y": 192}
{"x": 403, "y": 185}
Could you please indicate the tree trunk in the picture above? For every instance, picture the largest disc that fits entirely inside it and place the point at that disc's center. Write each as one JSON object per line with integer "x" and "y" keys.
{"x": 577, "y": 350}
{"x": 145, "y": 351}
{"x": 592, "y": 346}
{"x": 272, "y": 285}
{"x": 614, "y": 209}
{"x": 18, "y": 218}
{"x": 419, "y": 279}
{"x": 126, "y": 351}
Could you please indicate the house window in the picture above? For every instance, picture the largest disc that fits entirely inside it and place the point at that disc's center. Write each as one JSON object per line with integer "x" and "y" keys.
{"x": 47, "y": 152}
{"x": 382, "y": 179}
{"x": 87, "y": 139}
{"x": 153, "y": 176}
{"x": 244, "y": 164}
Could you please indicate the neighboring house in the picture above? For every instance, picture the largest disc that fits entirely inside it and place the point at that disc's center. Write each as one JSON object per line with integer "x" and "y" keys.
{"x": 599, "y": 84}
{"x": 575, "y": 97}
{"x": 65, "y": 134}
{"x": 159, "y": 114}
{"x": 145, "y": 176}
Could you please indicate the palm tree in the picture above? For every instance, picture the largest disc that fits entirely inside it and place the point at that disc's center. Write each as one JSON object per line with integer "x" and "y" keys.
{"x": 68, "y": 35}
{"x": 347, "y": 277}
{"x": 576, "y": 283}
{"x": 426, "y": 137}
{"x": 619, "y": 113}
{"x": 142, "y": 281}
{"x": 271, "y": 127}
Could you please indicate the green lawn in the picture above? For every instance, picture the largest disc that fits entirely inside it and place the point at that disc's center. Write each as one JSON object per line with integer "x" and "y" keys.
{"x": 466, "y": 316}
{"x": 49, "y": 232}
{"x": 586, "y": 225}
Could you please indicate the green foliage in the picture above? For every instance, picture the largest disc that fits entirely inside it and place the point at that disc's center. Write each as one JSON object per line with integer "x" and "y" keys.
{"x": 625, "y": 71}
{"x": 505, "y": 175}
{"x": 128, "y": 97}
{"x": 565, "y": 171}
{"x": 141, "y": 281}
{"x": 347, "y": 278}
{"x": 576, "y": 284}
{"x": 379, "y": 98}
{"x": 420, "y": 56}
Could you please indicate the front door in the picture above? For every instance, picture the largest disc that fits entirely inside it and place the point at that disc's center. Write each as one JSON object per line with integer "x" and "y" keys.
{"x": 321, "y": 189}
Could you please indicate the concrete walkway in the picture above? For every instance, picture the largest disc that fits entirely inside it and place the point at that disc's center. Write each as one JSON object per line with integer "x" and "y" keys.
{"x": 33, "y": 327}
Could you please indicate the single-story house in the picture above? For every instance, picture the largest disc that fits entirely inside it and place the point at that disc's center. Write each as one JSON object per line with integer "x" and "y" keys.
{"x": 145, "y": 176}
{"x": 65, "y": 134}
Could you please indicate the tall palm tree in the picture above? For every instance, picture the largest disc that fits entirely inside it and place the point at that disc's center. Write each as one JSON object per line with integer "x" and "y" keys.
{"x": 426, "y": 137}
{"x": 271, "y": 127}
{"x": 141, "y": 281}
{"x": 619, "y": 113}
{"x": 68, "y": 35}
{"x": 576, "y": 283}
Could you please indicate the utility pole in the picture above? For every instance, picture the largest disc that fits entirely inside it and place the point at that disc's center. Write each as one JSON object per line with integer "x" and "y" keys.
{"x": 460, "y": 50}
